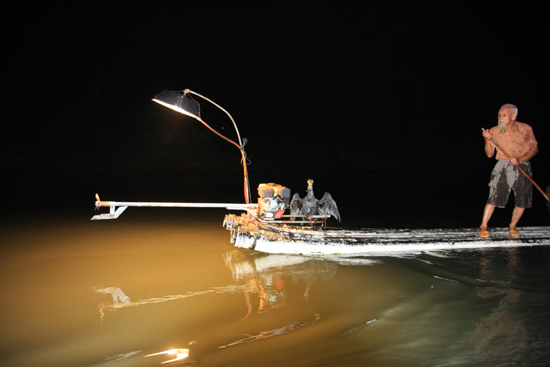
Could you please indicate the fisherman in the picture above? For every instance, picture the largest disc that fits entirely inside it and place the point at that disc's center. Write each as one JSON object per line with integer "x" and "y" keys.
{"x": 518, "y": 141}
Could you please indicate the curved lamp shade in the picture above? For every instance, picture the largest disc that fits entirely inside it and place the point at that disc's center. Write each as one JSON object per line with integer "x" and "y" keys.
{"x": 179, "y": 102}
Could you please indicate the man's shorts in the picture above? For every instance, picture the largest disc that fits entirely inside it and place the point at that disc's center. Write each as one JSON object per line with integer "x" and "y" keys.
{"x": 506, "y": 177}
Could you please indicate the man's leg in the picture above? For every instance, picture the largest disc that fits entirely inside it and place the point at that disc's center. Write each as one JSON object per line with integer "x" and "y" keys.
{"x": 523, "y": 191}
{"x": 516, "y": 216}
{"x": 487, "y": 213}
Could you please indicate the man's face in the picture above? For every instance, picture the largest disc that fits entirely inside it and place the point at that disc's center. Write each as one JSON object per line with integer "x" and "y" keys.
{"x": 506, "y": 116}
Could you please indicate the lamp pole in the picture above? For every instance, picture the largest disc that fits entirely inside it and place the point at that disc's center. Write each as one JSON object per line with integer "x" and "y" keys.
{"x": 239, "y": 144}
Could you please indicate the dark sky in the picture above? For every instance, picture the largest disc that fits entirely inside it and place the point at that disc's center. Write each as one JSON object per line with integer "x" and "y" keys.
{"x": 337, "y": 87}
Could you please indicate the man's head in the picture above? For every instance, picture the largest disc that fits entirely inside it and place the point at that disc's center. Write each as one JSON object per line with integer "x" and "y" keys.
{"x": 507, "y": 116}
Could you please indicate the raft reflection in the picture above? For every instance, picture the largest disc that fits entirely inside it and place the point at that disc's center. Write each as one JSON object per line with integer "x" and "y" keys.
{"x": 258, "y": 274}
{"x": 264, "y": 274}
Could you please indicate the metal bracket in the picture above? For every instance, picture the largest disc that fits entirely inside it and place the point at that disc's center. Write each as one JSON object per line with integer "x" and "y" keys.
{"x": 114, "y": 213}
{"x": 117, "y": 208}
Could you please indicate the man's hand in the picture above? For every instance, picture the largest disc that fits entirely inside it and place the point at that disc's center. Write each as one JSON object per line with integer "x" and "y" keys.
{"x": 486, "y": 134}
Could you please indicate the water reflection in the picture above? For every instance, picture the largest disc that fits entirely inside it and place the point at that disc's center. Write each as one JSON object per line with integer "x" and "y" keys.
{"x": 502, "y": 333}
{"x": 257, "y": 274}
{"x": 275, "y": 332}
{"x": 120, "y": 356}
{"x": 264, "y": 274}
{"x": 179, "y": 353}
{"x": 120, "y": 300}
{"x": 509, "y": 305}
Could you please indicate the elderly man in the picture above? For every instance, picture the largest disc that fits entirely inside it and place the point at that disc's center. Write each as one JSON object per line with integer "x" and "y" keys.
{"x": 518, "y": 141}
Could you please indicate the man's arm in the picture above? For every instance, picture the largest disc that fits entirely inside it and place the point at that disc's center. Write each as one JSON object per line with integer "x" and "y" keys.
{"x": 489, "y": 146}
{"x": 530, "y": 154}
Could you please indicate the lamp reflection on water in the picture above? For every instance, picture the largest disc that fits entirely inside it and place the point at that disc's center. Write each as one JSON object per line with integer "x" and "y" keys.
{"x": 179, "y": 353}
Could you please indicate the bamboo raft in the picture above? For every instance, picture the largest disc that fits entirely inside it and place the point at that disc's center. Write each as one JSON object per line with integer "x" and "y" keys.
{"x": 271, "y": 237}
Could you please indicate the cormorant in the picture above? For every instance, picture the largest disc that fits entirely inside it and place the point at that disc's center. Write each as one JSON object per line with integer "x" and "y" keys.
{"x": 309, "y": 205}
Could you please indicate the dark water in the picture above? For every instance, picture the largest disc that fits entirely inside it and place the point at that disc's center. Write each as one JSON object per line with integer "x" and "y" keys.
{"x": 81, "y": 293}
{"x": 110, "y": 293}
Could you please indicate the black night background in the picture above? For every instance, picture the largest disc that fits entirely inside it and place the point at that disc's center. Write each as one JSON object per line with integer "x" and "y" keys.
{"x": 381, "y": 104}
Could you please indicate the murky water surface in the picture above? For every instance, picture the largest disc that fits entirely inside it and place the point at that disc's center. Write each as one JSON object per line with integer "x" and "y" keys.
{"x": 122, "y": 293}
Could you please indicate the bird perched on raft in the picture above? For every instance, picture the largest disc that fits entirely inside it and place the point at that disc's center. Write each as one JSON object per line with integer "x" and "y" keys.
{"x": 309, "y": 205}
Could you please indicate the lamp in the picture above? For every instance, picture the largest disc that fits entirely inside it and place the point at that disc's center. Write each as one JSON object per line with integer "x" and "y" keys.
{"x": 182, "y": 102}
{"x": 179, "y": 102}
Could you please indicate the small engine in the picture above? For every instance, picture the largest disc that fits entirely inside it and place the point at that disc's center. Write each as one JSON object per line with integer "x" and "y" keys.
{"x": 273, "y": 199}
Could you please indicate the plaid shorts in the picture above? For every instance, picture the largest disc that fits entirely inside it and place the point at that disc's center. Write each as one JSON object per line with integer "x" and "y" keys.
{"x": 506, "y": 177}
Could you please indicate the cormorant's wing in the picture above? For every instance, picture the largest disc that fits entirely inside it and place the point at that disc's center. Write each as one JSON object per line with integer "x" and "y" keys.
{"x": 295, "y": 206}
{"x": 327, "y": 206}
